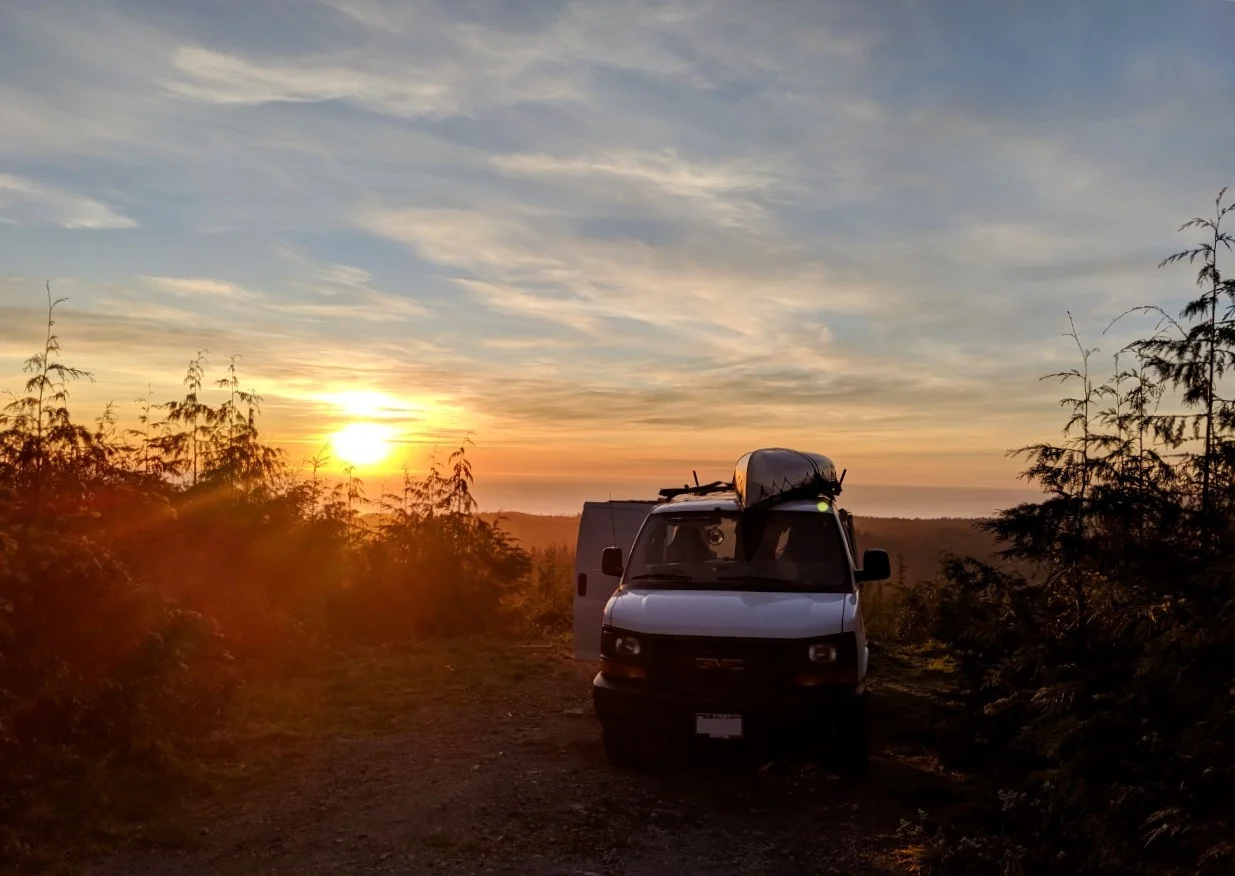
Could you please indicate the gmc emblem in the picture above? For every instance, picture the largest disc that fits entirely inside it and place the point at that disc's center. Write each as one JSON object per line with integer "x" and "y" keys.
{"x": 730, "y": 663}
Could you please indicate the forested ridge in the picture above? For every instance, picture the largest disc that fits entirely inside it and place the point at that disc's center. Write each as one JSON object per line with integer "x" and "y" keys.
{"x": 915, "y": 545}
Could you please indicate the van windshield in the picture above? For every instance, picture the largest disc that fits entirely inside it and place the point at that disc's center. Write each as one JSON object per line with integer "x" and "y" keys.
{"x": 777, "y": 551}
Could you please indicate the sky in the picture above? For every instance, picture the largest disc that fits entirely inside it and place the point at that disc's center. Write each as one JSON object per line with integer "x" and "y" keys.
{"x": 614, "y": 242}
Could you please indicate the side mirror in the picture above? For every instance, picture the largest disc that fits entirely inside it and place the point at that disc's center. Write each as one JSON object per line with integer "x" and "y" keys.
{"x": 875, "y": 566}
{"x": 611, "y": 562}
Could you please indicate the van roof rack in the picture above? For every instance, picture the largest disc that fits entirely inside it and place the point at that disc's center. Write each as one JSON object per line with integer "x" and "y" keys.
{"x": 697, "y": 490}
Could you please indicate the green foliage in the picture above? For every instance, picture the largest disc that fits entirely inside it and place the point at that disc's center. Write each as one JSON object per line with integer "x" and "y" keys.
{"x": 547, "y": 600}
{"x": 1196, "y": 361}
{"x": 433, "y": 566}
{"x": 1097, "y": 691}
{"x": 39, "y": 442}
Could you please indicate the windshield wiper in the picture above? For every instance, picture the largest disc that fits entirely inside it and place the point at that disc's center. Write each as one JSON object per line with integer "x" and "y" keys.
{"x": 661, "y": 576}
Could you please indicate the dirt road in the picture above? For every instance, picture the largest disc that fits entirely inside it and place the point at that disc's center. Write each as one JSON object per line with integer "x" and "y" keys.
{"x": 510, "y": 778}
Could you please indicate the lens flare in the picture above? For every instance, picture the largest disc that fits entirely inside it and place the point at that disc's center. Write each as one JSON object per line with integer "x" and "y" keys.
{"x": 362, "y": 443}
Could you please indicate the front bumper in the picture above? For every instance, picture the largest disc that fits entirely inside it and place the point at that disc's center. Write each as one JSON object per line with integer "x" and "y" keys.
{"x": 621, "y": 703}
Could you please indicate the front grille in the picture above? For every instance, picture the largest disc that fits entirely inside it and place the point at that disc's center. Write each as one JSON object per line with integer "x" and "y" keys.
{"x": 700, "y": 665}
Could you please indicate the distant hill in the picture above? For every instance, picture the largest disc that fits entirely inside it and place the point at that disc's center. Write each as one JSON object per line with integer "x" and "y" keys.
{"x": 921, "y": 543}
{"x": 538, "y": 531}
{"x": 918, "y": 544}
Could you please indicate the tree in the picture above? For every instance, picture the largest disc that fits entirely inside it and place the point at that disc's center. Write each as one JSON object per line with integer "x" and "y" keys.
{"x": 1098, "y": 693}
{"x": 190, "y": 446}
{"x": 38, "y": 430}
{"x": 1197, "y": 361}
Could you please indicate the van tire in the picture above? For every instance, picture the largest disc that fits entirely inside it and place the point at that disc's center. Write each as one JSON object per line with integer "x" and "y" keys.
{"x": 852, "y": 751}
{"x": 845, "y": 749}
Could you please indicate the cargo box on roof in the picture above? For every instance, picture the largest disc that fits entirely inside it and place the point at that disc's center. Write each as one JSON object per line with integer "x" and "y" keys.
{"x": 778, "y": 473}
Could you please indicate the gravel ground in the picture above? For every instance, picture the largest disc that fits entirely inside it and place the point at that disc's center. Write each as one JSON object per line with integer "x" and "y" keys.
{"x": 515, "y": 781}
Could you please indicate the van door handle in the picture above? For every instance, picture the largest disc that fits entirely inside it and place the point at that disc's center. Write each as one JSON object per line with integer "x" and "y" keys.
{"x": 581, "y": 586}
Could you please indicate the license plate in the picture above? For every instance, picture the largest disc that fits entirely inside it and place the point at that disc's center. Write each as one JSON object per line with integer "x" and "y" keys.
{"x": 719, "y": 726}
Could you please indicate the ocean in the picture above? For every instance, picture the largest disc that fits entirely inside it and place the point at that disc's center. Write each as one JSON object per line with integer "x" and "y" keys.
{"x": 556, "y": 495}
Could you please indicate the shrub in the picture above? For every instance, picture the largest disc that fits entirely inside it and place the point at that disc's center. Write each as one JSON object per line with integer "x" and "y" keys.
{"x": 1100, "y": 688}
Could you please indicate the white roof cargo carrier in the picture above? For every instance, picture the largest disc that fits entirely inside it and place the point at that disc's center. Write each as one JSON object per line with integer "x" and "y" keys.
{"x": 776, "y": 473}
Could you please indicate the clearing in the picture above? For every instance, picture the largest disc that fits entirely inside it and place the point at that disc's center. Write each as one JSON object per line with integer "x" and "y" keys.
{"x": 485, "y": 757}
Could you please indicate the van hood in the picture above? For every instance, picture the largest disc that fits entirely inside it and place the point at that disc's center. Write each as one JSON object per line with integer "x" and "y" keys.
{"x": 728, "y": 613}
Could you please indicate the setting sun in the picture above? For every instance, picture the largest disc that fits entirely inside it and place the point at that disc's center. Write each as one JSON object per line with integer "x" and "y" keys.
{"x": 362, "y": 443}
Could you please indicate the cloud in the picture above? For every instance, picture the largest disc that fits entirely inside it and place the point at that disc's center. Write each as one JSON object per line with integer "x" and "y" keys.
{"x": 724, "y": 193}
{"x": 398, "y": 89}
{"x": 340, "y": 291}
{"x": 216, "y": 77}
{"x": 203, "y": 287}
{"x": 735, "y": 301}
{"x": 694, "y": 224}
{"x": 25, "y": 202}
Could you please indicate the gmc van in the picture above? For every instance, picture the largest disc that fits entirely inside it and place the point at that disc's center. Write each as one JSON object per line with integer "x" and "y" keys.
{"x": 728, "y": 611}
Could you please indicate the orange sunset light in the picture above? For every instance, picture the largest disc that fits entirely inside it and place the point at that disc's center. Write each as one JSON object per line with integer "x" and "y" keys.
{"x": 362, "y": 444}
{"x": 369, "y": 433}
{"x": 373, "y": 404}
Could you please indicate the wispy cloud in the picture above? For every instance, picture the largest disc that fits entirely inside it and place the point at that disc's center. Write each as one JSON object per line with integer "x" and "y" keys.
{"x": 725, "y": 194}
{"x": 202, "y": 288}
{"x": 25, "y": 202}
{"x": 735, "y": 302}
{"x": 338, "y": 291}
{"x": 401, "y": 89}
{"x": 689, "y": 225}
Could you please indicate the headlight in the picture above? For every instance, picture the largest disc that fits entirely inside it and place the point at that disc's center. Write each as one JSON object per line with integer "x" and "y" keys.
{"x": 822, "y": 653}
{"x": 626, "y": 646}
{"x": 621, "y": 655}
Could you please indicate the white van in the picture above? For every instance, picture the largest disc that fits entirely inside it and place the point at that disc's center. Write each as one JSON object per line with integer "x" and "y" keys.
{"x": 727, "y": 618}
{"x": 603, "y": 525}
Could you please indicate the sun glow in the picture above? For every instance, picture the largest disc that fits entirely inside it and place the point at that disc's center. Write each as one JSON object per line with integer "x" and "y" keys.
{"x": 373, "y": 404}
{"x": 362, "y": 443}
